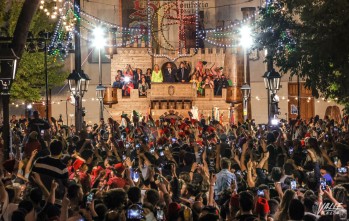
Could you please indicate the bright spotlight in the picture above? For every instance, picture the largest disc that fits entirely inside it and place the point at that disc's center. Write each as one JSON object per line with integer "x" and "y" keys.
{"x": 29, "y": 106}
{"x": 99, "y": 40}
{"x": 246, "y": 37}
{"x": 127, "y": 79}
{"x": 274, "y": 122}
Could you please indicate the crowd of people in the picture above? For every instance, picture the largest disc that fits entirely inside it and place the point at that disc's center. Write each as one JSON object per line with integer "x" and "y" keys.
{"x": 176, "y": 169}
{"x": 201, "y": 78}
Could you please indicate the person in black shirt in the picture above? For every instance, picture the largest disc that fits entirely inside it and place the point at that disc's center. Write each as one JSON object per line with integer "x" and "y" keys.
{"x": 52, "y": 168}
{"x": 38, "y": 124}
{"x": 220, "y": 83}
{"x": 182, "y": 73}
{"x": 136, "y": 77}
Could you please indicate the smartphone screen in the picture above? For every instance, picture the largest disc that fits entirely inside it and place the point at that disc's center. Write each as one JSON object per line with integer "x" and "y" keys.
{"x": 134, "y": 214}
{"x": 42, "y": 132}
{"x": 290, "y": 150}
{"x": 89, "y": 198}
{"x": 323, "y": 183}
{"x": 335, "y": 160}
{"x": 135, "y": 176}
{"x": 342, "y": 170}
{"x": 162, "y": 153}
{"x": 293, "y": 185}
{"x": 160, "y": 214}
{"x": 260, "y": 192}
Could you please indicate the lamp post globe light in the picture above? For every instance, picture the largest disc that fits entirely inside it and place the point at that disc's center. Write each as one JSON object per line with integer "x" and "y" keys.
{"x": 246, "y": 42}
{"x": 78, "y": 85}
{"x": 272, "y": 84}
{"x": 99, "y": 42}
{"x": 8, "y": 69}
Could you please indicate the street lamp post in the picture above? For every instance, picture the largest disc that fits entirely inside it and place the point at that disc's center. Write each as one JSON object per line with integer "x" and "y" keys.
{"x": 246, "y": 91}
{"x": 8, "y": 68}
{"x": 246, "y": 42}
{"x": 99, "y": 42}
{"x": 78, "y": 85}
{"x": 78, "y": 81}
{"x": 40, "y": 45}
{"x": 272, "y": 83}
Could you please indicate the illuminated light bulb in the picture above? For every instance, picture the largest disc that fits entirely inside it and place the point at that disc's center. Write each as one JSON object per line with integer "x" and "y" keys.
{"x": 13, "y": 103}
{"x": 58, "y": 102}
{"x": 53, "y": 16}
{"x": 41, "y": 7}
{"x": 47, "y": 13}
{"x": 16, "y": 105}
{"x": 64, "y": 17}
{"x": 42, "y": 1}
{"x": 45, "y": 10}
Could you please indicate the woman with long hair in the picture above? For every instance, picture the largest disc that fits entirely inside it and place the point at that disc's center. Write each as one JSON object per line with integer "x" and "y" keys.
{"x": 143, "y": 87}
{"x": 282, "y": 214}
{"x": 148, "y": 77}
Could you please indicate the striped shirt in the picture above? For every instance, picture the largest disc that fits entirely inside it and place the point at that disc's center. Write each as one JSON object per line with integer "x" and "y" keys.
{"x": 50, "y": 169}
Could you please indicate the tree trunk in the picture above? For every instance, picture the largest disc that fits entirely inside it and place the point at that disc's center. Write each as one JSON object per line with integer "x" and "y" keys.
{"x": 18, "y": 44}
{"x": 23, "y": 24}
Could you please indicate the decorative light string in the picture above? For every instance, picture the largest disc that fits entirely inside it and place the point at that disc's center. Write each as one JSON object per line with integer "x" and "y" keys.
{"x": 68, "y": 17}
{"x": 258, "y": 98}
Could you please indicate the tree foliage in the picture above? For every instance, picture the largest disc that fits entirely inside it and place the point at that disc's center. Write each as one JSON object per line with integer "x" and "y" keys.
{"x": 310, "y": 38}
{"x": 29, "y": 84}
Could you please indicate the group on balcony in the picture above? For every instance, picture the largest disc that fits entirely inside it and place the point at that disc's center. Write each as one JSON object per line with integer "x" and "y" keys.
{"x": 201, "y": 78}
